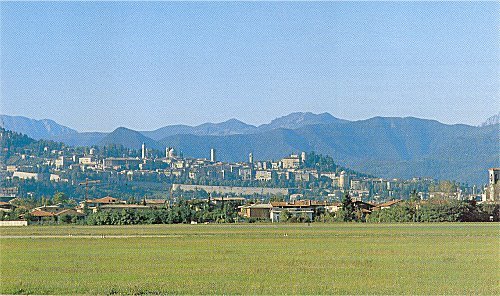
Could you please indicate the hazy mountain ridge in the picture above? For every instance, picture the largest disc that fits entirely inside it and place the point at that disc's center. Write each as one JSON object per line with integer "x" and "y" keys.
{"x": 36, "y": 129}
{"x": 128, "y": 138}
{"x": 54, "y": 131}
{"x": 82, "y": 139}
{"x": 229, "y": 127}
{"x": 300, "y": 119}
{"x": 384, "y": 146}
{"x": 493, "y": 120}
{"x": 235, "y": 127}
{"x": 387, "y": 147}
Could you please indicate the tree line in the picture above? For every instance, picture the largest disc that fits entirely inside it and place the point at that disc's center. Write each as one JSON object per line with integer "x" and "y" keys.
{"x": 416, "y": 210}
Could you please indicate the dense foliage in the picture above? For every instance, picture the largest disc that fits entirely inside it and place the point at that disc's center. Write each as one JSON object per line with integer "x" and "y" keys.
{"x": 12, "y": 141}
{"x": 437, "y": 211}
{"x": 182, "y": 212}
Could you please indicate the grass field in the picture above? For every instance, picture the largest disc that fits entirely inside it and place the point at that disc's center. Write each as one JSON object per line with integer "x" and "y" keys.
{"x": 252, "y": 259}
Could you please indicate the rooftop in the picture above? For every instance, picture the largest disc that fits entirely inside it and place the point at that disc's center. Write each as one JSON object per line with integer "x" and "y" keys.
{"x": 38, "y": 213}
{"x": 69, "y": 212}
{"x": 105, "y": 200}
{"x": 258, "y": 206}
{"x": 123, "y": 206}
{"x": 388, "y": 204}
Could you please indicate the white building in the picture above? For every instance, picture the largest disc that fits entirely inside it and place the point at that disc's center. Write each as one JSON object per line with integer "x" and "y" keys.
{"x": 143, "y": 148}
{"x": 263, "y": 175}
{"x": 87, "y": 160}
{"x": 344, "y": 180}
{"x": 27, "y": 176}
{"x": 291, "y": 162}
{"x": 493, "y": 190}
{"x": 213, "y": 157}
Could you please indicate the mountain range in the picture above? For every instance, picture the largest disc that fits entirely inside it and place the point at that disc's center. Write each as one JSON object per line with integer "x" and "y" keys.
{"x": 495, "y": 119}
{"x": 390, "y": 147}
{"x": 36, "y": 129}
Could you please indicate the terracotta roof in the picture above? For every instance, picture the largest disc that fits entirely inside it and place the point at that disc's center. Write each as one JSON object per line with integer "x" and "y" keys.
{"x": 69, "y": 212}
{"x": 319, "y": 203}
{"x": 107, "y": 199}
{"x": 298, "y": 211}
{"x": 38, "y": 213}
{"x": 299, "y": 203}
{"x": 388, "y": 204}
{"x": 124, "y": 206}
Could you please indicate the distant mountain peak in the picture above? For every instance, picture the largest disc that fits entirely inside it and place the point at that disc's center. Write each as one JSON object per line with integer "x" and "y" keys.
{"x": 495, "y": 119}
{"x": 122, "y": 128}
{"x": 37, "y": 129}
{"x": 384, "y": 146}
{"x": 230, "y": 122}
{"x": 300, "y": 119}
{"x": 234, "y": 120}
{"x": 128, "y": 138}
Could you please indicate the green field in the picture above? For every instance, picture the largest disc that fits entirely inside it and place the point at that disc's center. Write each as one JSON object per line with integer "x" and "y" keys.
{"x": 252, "y": 259}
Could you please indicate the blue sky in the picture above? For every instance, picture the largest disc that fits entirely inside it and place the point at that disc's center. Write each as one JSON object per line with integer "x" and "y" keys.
{"x": 143, "y": 65}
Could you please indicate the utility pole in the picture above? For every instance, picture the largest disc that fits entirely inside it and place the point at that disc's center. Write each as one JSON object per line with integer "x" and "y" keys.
{"x": 86, "y": 189}
{"x": 86, "y": 183}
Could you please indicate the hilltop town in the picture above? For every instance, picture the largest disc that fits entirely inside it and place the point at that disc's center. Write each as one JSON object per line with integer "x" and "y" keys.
{"x": 119, "y": 178}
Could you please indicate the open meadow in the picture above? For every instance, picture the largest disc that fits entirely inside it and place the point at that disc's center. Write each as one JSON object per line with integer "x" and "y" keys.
{"x": 454, "y": 258}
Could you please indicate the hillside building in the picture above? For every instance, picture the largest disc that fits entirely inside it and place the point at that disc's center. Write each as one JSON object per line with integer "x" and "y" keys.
{"x": 27, "y": 176}
{"x": 87, "y": 160}
{"x": 213, "y": 157}
{"x": 493, "y": 189}
{"x": 121, "y": 162}
{"x": 263, "y": 175}
{"x": 291, "y": 162}
{"x": 344, "y": 180}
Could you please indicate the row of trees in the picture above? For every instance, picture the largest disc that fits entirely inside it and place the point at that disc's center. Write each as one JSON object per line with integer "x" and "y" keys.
{"x": 415, "y": 210}
{"x": 448, "y": 211}
{"x": 182, "y": 212}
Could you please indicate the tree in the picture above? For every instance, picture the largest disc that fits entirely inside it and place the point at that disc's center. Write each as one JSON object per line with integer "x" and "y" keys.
{"x": 285, "y": 216}
{"x": 65, "y": 218}
{"x": 46, "y": 201}
{"x": 414, "y": 196}
{"x": 60, "y": 197}
{"x": 276, "y": 198}
{"x": 348, "y": 208}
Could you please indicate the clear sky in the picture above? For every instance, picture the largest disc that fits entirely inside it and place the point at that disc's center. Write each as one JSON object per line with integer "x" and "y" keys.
{"x": 143, "y": 65}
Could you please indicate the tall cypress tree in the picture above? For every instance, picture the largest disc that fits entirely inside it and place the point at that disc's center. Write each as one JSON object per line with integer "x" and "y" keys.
{"x": 348, "y": 208}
